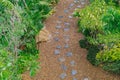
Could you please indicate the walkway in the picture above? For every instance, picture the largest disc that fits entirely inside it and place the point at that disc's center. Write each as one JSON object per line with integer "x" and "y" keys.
{"x": 62, "y": 58}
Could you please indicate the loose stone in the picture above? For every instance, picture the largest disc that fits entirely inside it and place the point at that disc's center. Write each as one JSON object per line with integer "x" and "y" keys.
{"x": 58, "y": 27}
{"x": 60, "y": 16}
{"x": 56, "y": 52}
{"x": 67, "y": 24}
{"x": 66, "y": 11}
{"x": 85, "y": 79}
{"x": 74, "y": 72}
{"x": 79, "y": 6}
{"x": 56, "y": 39}
{"x": 71, "y": 5}
{"x": 66, "y": 29}
{"x": 69, "y": 54}
{"x": 70, "y": 17}
{"x": 58, "y": 47}
{"x": 64, "y": 67}
{"x": 72, "y": 63}
{"x": 63, "y": 75}
{"x": 61, "y": 59}
{"x": 66, "y": 46}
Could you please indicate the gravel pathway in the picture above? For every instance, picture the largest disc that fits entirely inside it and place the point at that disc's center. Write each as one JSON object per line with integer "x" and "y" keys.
{"x": 62, "y": 58}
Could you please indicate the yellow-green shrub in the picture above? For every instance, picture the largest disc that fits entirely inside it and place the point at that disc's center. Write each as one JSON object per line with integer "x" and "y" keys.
{"x": 109, "y": 59}
{"x": 109, "y": 55}
{"x": 90, "y": 23}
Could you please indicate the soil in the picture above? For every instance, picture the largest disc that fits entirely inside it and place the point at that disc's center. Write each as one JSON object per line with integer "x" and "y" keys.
{"x": 50, "y": 66}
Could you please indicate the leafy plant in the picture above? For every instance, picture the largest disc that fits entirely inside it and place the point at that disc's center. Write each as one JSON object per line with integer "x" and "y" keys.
{"x": 20, "y": 21}
{"x": 92, "y": 52}
{"x": 90, "y": 23}
{"x": 110, "y": 58}
{"x": 109, "y": 55}
{"x": 113, "y": 67}
{"x": 102, "y": 33}
{"x": 111, "y": 21}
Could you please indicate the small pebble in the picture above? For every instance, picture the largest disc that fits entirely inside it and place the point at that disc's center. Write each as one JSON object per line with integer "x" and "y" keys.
{"x": 64, "y": 67}
{"x": 58, "y": 47}
{"x": 58, "y": 27}
{"x": 74, "y": 72}
{"x": 67, "y": 24}
{"x": 71, "y": 5}
{"x": 63, "y": 75}
{"x": 66, "y": 46}
{"x": 69, "y": 54}
{"x": 66, "y": 29}
{"x": 56, "y": 39}
{"x": 56, "y": 52}
{"x": 60, "y": 16}
{"x": 72, "y": 63}
{"x": 66, "y": 11}
{"x": 85, "y": 79}
{"x": 70, "y": 17}
{"x": 79, "y": 6}
{"x": 75, "y": 79}
{"x": 61, "y": 59}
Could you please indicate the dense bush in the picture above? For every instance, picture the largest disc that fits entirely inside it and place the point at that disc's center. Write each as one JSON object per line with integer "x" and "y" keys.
{"x": 110, "y": 2}
{"x": 109, "y": 55}
{"x": 101, "y": 28}
{"x": 92, "y": 52}
{"x": 90, "y": 21}
{"x": 110, "y": 58}
{"x": 20, "y": 21}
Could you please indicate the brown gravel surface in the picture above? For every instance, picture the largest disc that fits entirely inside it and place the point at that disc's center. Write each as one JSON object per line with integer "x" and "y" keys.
{"x": 50, "y": 66}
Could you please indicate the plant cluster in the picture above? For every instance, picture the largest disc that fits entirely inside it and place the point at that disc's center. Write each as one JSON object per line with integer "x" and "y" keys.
{"x": 20, "y": 21}
{"x": 100, "y": 24}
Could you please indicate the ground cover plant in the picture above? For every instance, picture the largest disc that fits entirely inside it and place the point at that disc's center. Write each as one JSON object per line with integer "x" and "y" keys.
{"x": 20, "y": 21}
{"x": 101, "y": 29}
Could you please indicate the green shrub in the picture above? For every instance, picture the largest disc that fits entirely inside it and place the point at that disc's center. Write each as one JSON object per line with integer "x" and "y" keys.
{"x": 109, "y": 55}
{"x": 109, "y": 39}
{"x": 101, "y": 29}
{"x": 20, "y": 21}
{"x": 113, "y": 67}
{"x": 8, "y": 67}
{"x": 83, "y": 43}
{"x": 111, "y": 21}
{"x": 92, "y": 52}
{"x": 110, "y": 58}
{"x": 90, "y": 23}
{"x": 110, "y": 2}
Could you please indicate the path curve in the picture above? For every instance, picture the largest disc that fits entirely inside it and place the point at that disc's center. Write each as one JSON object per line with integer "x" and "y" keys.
{"x": 67, "y": 62}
